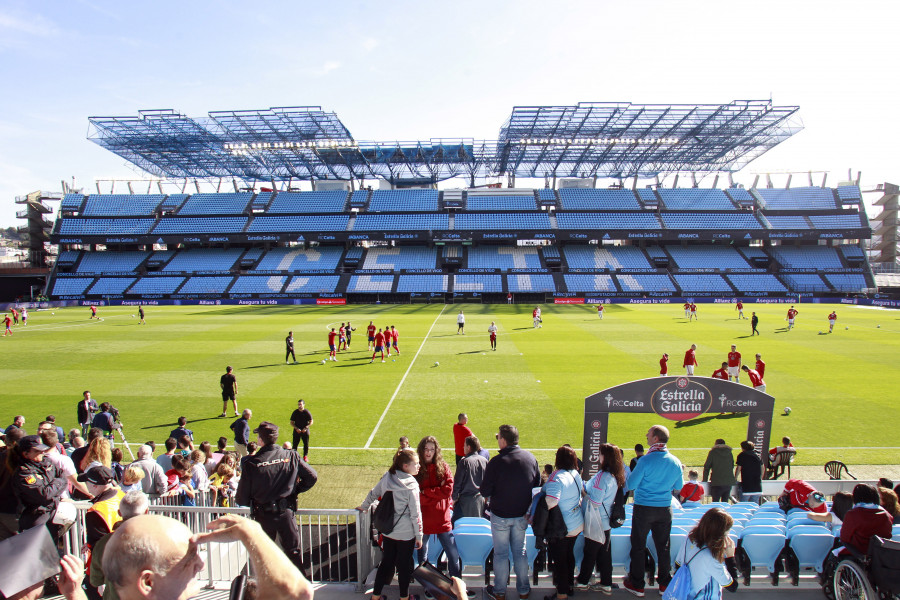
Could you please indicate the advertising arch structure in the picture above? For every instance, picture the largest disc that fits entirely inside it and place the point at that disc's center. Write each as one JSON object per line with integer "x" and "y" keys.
{"x": 678, "y": 398}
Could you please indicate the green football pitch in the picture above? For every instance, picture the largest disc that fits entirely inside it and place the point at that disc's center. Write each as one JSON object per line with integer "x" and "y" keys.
{"x": 841, "y": 387}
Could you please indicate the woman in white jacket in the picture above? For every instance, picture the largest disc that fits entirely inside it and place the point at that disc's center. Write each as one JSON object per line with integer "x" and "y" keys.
{"x": 398, "y": 546}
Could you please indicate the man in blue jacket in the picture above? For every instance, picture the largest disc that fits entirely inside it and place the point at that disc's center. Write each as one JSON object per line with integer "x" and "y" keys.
{"x": 653, "y": 480}
{"x": 507, "y": 484}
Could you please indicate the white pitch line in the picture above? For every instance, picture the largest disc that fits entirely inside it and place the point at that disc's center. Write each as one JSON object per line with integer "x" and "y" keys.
{"x": 579, "y": 449}
{"x": 399, "y": 385}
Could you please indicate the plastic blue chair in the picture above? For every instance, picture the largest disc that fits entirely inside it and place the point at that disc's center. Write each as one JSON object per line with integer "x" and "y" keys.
{"x": 895, "y": 532}
{"x": 474, "y": 549}
{"x": 620, "y": 547}
{"x": 762, "y": 549}
{"x": 808, "y": 529}
{"x": 811, "y": 548}
{"x": 797, "y": 515}
{"x": 758, "y": 522}
{"x": 777, "y": 529}
{"x": 684, "y": 522}
{"x": 807, "y": 523}
{"x": 467, "y": 521}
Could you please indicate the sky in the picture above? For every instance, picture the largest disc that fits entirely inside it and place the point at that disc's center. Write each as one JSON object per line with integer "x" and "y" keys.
{"x": 416, "y": 70}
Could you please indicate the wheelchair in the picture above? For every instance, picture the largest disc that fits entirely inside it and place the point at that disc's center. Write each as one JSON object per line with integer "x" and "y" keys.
{"x": 857, "y": 576}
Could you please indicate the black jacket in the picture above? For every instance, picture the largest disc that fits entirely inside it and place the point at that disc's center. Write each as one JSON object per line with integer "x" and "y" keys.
{"x": 39, "y": 487}
{"x": 273, "y": 474}
{"x": 508, "y": 480}
{"x": 86, "y": 414}
{"x": 548, "y": 523}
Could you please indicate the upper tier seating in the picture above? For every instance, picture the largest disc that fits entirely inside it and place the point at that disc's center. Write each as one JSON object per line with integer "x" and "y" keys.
{"x": 309, "y": 202}
{"x": 303, "y": 223}
{"x": 71, "y": 202}
{"x": 807, "y": 257}
{"x": 400, "y": 257}
{"x": 404, "y": 200}
{"x": 801, "y": 198}
{"x": 551, "y": 252}
{"x": 261, "y": 201}
{"x": 547, "y": 196}
{"x": 707, "y": 257}
{"x": 836, "y": 221}
{"x": 477, "y": 283}
{"x": 648, "y": 197}
{"x": 206, "y": 285}
{"x": 421, "y": 283}
{"x": 67, "y": 258}
{"x": 110, "y": 286}
{"x": 203, "y": 259}
{"x": 849, "y": 193}
{"x": 504, "y": 257}
{"x": 312, "y": 284}
{"x": 404, "y": 222}
{"x": 703, "y": 282}
{"x": 528, "y": 282}
{"x": 71, "y": 286}
{"x": 258, "y": 284}
{"x": 847, "y": 282}
{"x": 88, "y": 226}
{"x": 752, "y": 252}
{"x": 172, "y": 202}
{"x": 591, "y": 199}
{"x": 852, "y": 252}
{"x": 216, "y": 204}
{"x": 725, "y": 221}
{"x": 805, "y": 282}
{"x": 787, "y": 221}
{"x": 370, "y": 284}
{"x": 502, "y": 221}
{"x": 500, "y": 202}
{"x": 188, "y": 225}
{"x": 589, "y": 283}
{"x": 321, "y": 258}
{"x": 114, "y": 205}
{"x": 605, "y": 257}
{"x": 645, "y": 283}
{"x": 762, "y": 282}
{"x": 156, "y": 285}
{"x": 605, "y": 221}
{"x": 741, "y": 196}
{"x": 695, "y": 199}
{"x": 111, "y": 262}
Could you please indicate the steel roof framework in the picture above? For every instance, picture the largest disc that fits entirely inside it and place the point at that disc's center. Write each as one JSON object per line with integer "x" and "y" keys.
{"x": 586, "y": 140}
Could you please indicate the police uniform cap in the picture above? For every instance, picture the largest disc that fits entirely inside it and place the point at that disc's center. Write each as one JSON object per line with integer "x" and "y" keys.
{"x": 32, "y": 442}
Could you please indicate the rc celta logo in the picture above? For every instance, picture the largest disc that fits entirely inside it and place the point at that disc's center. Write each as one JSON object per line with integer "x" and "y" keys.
{"x": 681, "y": 399}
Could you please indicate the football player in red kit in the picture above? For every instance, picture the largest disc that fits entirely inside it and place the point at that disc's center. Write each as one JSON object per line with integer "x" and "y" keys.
{"x": 379, "y": 346}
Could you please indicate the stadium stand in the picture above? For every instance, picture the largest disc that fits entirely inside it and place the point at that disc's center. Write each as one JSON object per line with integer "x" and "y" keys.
{"x": 695, "y": 199}
{"x": 258, "y": 284}
{"x": 71, "y": 286}
{"x": 703, "y": 282}
{"x": 547, "y": 196}
{"x": 849, "y": 194}
{"x": 407, "y": 284}
{"x": 172, "y": 202}
{"x": 741, "y": 196}
{"x": 111, "y": 262}
{"x": 752, "y": 252}
{"x": 309, "y": 202}
{"x": 607, "y": 221}
{"x": 503, "y": 221}
{"x": 206, "y": 285}
{"x": 504, "y": 202}
{"x": 707, "y": 257}
{"x": 645, "y": 283}
{"x": 852, "y": 252}
{"x": 721, "y": 221}
{"x": 321, "y": 284}
{"x": 852, "y": 221}
{"x": 477, "y": 283}
{"x": 405, "y": 200}
{"x": 400, "y": 257}
{"x": 752, "y": 282}
{"x": 126, "y": 205}
{"x": 847, "y": 282}
{"x": 107, "y": 286}
{"x": 648, "y": 197}
{"x": 787, "y": 221}
{"x": 294, "y": 223}
{"x": 589, "y": 283}
{"x": 802, "y": 198}
{"x": 359, "y": 199}
{"x": 321, "y": 258}
{"x": 401, "y": 222}
{"x": 604, "y": 257}
{"x": 71, "y": 203}
{"x": 67, "y": 258}
{"x": 807, "y": 257}
{"x": 89, "y": 226}
{"x": 593, "y": 199}
{"x": 203, "y": 259}
{"x": 528, "y": 282}
{"x": 805, "y": 282}
{"x": 156, "y": 285}
{"x": 504, "y": 257}
{"x": 369, "y": 284}
{"x": 261, "y": 201}
{"x": 189, "y": 225}
{"x": 216, "y": 204}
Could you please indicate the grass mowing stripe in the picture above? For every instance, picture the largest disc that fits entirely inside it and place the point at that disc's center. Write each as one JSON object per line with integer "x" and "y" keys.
{"x": 399, "y": 385}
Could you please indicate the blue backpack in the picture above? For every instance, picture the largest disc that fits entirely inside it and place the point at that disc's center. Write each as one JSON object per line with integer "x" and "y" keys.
{"x": 680, "y": 586}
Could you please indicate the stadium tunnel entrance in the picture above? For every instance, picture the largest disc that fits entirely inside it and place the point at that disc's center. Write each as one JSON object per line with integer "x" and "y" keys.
{"x": 678, "y": 399}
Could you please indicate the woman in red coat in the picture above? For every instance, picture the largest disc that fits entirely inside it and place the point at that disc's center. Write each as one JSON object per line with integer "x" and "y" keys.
{"x": 435, "y": 487}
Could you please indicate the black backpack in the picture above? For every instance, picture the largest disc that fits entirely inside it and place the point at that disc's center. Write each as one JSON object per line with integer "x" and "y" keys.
{"x": 617, "y": 512}
{"x": 383, "y": 518}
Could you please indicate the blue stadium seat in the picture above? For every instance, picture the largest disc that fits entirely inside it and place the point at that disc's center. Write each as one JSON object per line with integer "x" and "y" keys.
{"x": 502, "y": 221}
{"x": 762, "y": 282}
{"x": 320, "y": 258}
{"x": 645, "y": 283}
{"x": 206, "y": 285}
{"x": 402, "y": 222}
{"x": 648, "y": 197}
{"x": 589, "y": 283}
{"x": 71, "y": 202}
{"x": 314, "y": 284}
{"x": 404, "y": 200}
{"x": 110, "y": 286}
{"x": 605, "y": 257}
{"x": 702, "y": 282}
{"x": 802, "y": 198}
{"x": 805, "y": 282}
{"x": 400, "y": 257}
{"x": 309, "y": 202}
{"x": 500, "y": 202}
{"x": 707, "y": 257}
{"x": 593, "y": 199}
{"x": 849, "y": 193}
{"x": 852, "y": 252}
{"x": 368, "y": 284}
{"x": 118, "y": 226}
{"x": 807, "y": 257}
{"x": 847, "y": 282}
{"x": 71, "y": 286}
{"x": 258, "y": 284}
{"x": 811, "y": 548}
{"x": 216, "y": 204}
{"x": 851, "y": 221}
{"x": 111, "y": 262}
{"x": 113, "y": 205}
{"x": 472, "y": 521}
{"x": 67, "y": 258}
{"x": 156, "y": 285}
{"x": 762, "y": 548}
{"x": 477, "y": 283}
{"x": 607, "y": 221}
{"x": 298, "y": 223}
{"x": 407, "y": 284}
{"x": 620, "y": 547}
{"x": 741, "y": 196}
{"x": 474, "y": 548}
{"x": 182, "y": 225}
{"x": 504, "y": 257}
{"x": 695, "y": 199}
{"x": 787, "y": 221}
{"x": 529, "y": 282}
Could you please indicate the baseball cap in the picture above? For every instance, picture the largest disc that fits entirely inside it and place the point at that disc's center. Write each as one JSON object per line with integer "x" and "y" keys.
{"x": 32, "y": 442}
{"x": 98, "y": 475}
{"x": 267, "y": 427}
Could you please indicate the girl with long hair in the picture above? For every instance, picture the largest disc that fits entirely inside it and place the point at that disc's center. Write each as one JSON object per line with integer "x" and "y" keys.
{"x": 600, "y": 491}
{"x": 406, "y": 536}
{"x": 564, "y": 489}
{"x": 99, "y": 454}
{"x": 435, "y": 488}
{"x": 709, "y": 555}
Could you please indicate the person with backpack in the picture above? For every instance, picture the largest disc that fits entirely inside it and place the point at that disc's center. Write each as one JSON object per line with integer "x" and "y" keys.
{"x": 564, "y": 490}
{"x": 705, "y": 564}
{"x": 399, "y": 520}
{"x": 600, "y": 493}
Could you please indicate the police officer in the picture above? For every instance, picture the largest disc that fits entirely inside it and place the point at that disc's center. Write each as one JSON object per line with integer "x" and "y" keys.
{"x": 269, "y": 485}
{"x": 37, "y": 483}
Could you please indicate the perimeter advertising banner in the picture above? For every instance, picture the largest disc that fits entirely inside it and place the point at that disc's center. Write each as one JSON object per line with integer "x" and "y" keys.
{"x": 677, "y": 399}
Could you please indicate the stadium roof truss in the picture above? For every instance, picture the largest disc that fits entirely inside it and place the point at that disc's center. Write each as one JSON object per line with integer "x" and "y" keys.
{"x": 585, "y": 140}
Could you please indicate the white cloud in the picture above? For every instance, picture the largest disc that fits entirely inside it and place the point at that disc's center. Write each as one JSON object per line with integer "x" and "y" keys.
{"x": 370, "y": 44}
{"x": 34, "y": 25}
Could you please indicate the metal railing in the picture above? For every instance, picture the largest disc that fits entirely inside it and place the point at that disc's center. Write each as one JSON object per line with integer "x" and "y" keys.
{"x": 334, "y": 543}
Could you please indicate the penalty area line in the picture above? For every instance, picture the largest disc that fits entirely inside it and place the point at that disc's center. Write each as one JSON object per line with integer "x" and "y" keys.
{"x": 399, "y": 385}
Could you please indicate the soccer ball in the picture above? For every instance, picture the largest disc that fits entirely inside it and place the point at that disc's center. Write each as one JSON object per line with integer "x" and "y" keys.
{"x": 132, "y": 316}
{"x": 878, "y": 327}
{"x": 323, "y": 361}
{"x": 787, "y": 410}
{"x": 53, "y": 313}
{"x": 846, "y": 328}
{"x": 437, "y": 364}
